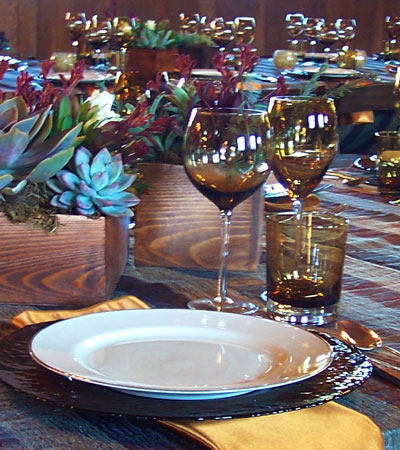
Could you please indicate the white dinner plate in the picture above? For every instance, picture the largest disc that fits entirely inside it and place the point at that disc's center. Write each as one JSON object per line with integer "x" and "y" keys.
{"x": 320, "y": 56}
{"x": 330, "y": 72}
{"x": 208, "y": 73}
{"x": 180, "y": 354}
{"x": 90, "y": 76}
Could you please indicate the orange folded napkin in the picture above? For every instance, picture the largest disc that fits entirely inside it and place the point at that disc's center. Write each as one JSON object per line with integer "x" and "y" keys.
{"x": 326, "y": 427}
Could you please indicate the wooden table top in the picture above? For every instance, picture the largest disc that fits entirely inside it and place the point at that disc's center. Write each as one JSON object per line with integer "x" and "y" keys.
{"x": 370, "y": 295}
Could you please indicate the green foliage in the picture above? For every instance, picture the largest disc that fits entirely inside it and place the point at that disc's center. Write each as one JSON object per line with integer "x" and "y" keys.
{"x": 28, "y": 151}
{"x": 193, "y": 40}
{"x": 153, "y": 35}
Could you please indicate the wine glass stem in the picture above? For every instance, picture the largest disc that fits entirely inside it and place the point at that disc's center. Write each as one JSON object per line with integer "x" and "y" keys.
{"x": 297, "y": 208}
{"x": 223, "y": 271}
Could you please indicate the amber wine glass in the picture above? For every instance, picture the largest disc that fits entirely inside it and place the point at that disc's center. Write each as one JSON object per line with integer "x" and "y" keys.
{"x": 327, "y": 35}
{"x": 76, "y": 27}
{"x": 311, "y": 25}
{"x": 225, "y": 157}
{"x": 222, "y": 33}
{"x": 302, "y": 142}
{"x": 346, "y": 30}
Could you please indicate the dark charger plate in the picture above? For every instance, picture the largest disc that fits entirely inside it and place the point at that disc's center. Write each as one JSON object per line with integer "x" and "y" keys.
{"x": 349, "y": 369}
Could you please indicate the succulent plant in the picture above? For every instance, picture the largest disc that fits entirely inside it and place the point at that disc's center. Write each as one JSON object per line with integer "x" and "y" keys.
{"x": 28, "y": 153}
{"x": 151, "y": 34}
{"x": 96, "y": 183}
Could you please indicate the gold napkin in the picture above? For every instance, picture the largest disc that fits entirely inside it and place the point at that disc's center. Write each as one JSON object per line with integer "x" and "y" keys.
{"x": 326, "y": 427}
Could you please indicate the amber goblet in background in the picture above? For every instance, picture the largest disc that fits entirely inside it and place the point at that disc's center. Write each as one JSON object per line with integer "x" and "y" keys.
{"x": 302, "y": 141}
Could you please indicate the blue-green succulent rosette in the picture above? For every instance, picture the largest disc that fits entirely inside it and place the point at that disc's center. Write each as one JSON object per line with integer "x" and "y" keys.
{"x": 94, "y": 184}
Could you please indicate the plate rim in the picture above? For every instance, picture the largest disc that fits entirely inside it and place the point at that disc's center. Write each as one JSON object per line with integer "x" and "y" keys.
{"x": 169, "y": 392}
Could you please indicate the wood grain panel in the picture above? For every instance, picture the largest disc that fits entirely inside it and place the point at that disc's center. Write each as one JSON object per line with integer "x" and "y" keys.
{"x": 176, "y": 226}
{"x": 79, "y": 264}
{"x": 36, "y": 27}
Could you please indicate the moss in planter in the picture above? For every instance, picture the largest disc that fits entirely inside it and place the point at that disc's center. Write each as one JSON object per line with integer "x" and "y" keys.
{"x": 31, "y": 205}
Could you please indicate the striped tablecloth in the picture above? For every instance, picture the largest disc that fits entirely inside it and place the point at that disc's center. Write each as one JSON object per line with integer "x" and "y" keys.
{"x": 267, "y": 68}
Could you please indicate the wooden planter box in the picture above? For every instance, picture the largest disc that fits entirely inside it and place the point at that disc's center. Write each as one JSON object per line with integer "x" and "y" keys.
{"x": 176, "y": 226}
{"x": 143, "y": 64}
{"x": 80, "y": 264}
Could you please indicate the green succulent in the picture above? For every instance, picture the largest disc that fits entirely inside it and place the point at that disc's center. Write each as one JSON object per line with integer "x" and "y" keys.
{"x": 28, "y": 153}
{"x": 91, "y": 113}
{"x": 153, "y": 35}
{"x": 96, "y": 183}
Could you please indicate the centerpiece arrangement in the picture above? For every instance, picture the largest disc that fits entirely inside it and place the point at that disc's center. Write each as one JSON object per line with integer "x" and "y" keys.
{"x": 56, "y": 172}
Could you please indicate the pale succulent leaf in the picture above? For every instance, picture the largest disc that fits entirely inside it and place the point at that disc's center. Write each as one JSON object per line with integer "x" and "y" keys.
{"x": 69, "y": 179}
{"x": 26, "y": 125}
{"x": 49, "y": 147}
{"x": 12, "y": 146}
{"x": 104, "y": 156}
{"x": 99, "y": 181}
{"x": 116, "y": 211}
{"x": 15, "y": 102}
{"x": 55, "y": 185}
{"x": 87, "y": 190}
{"x": 122, "y": 199}
{"x": 42, "y": 119}
{"x": 124, "y": 181}
{"x": 86, "y": 212}
{"x": 97, "y": 166}
{"x": 83, "y": 171}
{"x": 67, "y": 198}
{"x": 8, "y": 116}
{"x": 83, "y": 202}
{"x": 43, "y": 133}
{"x": 82, "y": 156}
{"x": 55, "y": 201}
{"x": 114, "y": 170}
{"x": 14, "y": 190}
{"x": 50, "y": 166}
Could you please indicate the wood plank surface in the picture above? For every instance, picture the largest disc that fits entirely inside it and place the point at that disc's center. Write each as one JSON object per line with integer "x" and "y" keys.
{"x": 176, "y": 226}
{"x": 36, "y": 27}
{"x": 66, "y": 267}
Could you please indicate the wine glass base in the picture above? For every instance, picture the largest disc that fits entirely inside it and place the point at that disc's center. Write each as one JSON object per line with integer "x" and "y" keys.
{"x": 227, "y": 305}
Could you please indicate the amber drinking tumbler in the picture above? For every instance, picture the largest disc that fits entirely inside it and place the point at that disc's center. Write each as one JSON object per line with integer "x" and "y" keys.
{"x": 305, "y": 257}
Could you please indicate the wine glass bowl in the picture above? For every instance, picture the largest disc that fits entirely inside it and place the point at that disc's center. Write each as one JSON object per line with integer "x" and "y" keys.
{"x": 98, "y": 34}
{"x": 225, "y": 158}
{"x": 244, "y": 30}
{"x": 327, "y": 35}
{"x": 221, "y": 33}
{"x": 346, "y": 30}
{"x": 294, "y": 24}
{"x": 311, "y": 25}
{"x": 121, "y": 34}
{"x": 392, "y": 25}
{"x": 302, "y": 142}
{"x": 189, "y": 23}
{"x": 76, "y": 27}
